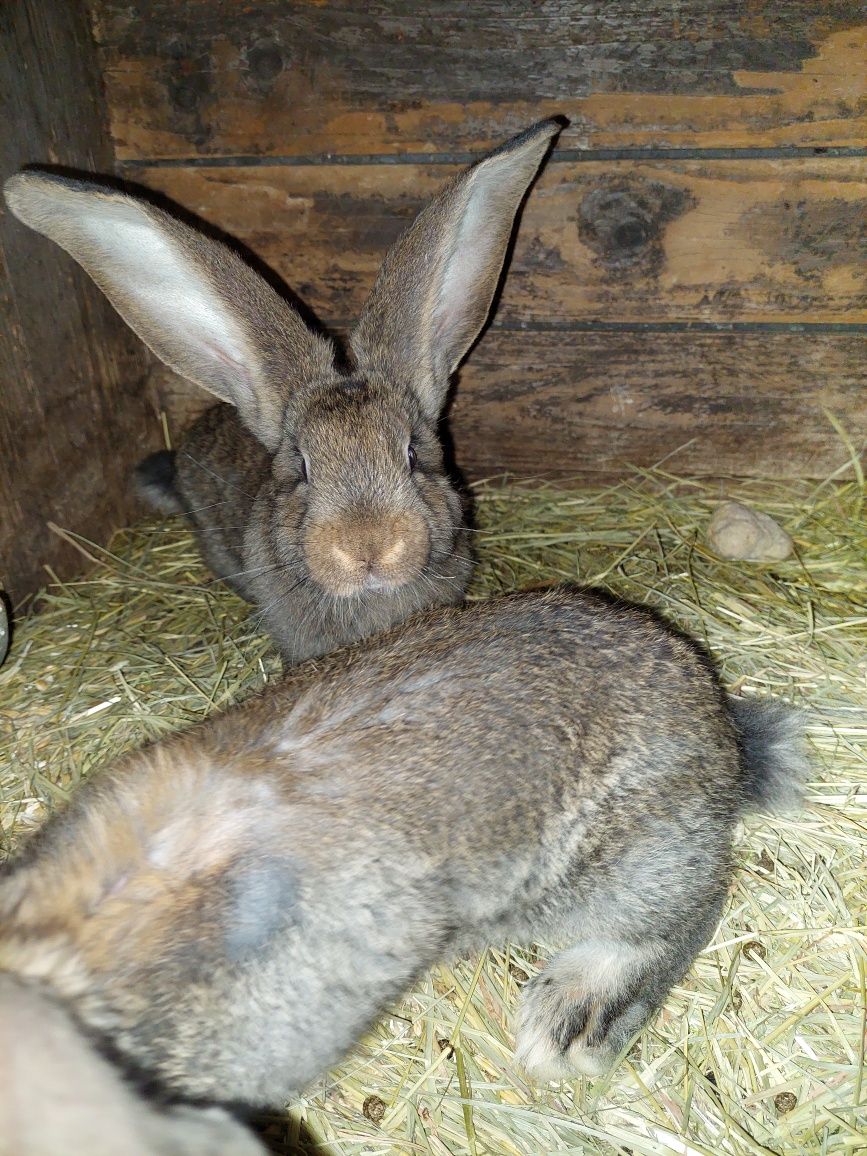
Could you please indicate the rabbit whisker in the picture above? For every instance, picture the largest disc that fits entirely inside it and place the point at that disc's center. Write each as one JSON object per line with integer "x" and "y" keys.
{"x": 217, "y": 477}
{"x": 209, "y": 506}
{"x": 281, "y": 598}
{"x": 221, "y": 529}
{"x": 275, "y": 568}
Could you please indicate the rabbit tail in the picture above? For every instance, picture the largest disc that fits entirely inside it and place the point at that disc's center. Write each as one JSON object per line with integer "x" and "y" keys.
{"x": 773, "y": 754}
{"x": 155, "y": 482}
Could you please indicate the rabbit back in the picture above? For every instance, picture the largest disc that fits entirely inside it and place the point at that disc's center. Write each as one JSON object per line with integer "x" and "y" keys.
{"x": 235, "y": 906}
{"x": 215, "y": 478}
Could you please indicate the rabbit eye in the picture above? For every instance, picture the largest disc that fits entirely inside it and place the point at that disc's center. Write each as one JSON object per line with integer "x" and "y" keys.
{"x": 304, "y": 477}
{"x": 411, "y": 457}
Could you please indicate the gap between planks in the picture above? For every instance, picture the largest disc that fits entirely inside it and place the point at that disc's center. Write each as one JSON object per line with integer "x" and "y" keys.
{"x": 559, "y": 156}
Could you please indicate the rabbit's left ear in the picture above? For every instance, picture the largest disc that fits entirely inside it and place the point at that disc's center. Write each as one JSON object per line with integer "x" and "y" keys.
{"x": 436, "y": 285}
{"x": 192, "y": 300}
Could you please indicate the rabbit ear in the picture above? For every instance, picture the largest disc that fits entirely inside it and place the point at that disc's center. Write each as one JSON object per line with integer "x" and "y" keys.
{"x": 436, "y": 285}
{"x": 193, "y": 301}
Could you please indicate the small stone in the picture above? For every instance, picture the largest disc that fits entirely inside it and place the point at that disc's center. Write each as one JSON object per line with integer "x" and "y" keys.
{"x": 374, "y": 1109}
{"x": 740, "y": 534}
{"x": 784, "y": 1102}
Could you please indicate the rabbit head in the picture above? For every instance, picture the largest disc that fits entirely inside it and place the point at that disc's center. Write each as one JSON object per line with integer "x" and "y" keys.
{"x": 322, "y": 492}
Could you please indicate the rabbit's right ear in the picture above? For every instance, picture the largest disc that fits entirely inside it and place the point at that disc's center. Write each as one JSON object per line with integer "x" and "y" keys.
{"x": 435, "y": 288}
{"x": 193, "y": 301}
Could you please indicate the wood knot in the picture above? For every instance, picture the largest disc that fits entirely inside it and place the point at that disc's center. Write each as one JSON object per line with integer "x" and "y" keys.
{"x": 623, "y": 221}
{"x": 264, "y": 63}
{"x": 187, "y": 76}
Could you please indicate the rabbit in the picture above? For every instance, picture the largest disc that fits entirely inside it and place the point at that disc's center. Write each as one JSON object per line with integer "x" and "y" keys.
{"x": 317, "y": 489}
{"x": 233, "y": 907}
{"x": 60, "y": 1097}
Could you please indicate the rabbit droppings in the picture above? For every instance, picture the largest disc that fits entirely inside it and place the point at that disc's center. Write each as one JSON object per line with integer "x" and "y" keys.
{"x": 230, "y": 909}
{"x": 319, "y": 492}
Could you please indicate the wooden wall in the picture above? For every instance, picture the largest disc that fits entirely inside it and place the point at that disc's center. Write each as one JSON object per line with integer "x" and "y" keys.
{"x": 72, "y": 408}
{"x": 689, "y": 275}
{"x": 689, "y": 269}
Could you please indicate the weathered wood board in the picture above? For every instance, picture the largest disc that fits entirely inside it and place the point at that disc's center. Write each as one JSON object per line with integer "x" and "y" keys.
{"x": 313, "y": 130}
{"x": 696, "y": 240}
{"x": 312, "y": 77}
{"x": 712, "y": 176}
{"x": 72, "y": 411}
{"x": 573, "y": 405}
{"x": 587, "y": 405}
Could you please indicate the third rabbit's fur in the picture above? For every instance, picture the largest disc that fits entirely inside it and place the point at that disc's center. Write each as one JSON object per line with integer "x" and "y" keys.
{"x": 59, "y": 1096}
{"x": 318, "y": 489}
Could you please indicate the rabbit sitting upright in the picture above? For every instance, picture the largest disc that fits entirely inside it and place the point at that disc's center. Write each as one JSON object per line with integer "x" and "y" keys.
{"x": 230, "y": 909}
{"x": 318, "y": 492}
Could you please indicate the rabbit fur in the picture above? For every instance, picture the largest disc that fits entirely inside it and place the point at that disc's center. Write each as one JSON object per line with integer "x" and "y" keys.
{"x": 60, "y": 1097}
{"x": 231, "y": 908}
{"x": 318, "y": 489}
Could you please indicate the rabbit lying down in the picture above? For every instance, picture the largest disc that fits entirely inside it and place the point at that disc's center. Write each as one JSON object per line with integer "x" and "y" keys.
{"x": 318, "y": 492}
{"x": 230, "y": 909}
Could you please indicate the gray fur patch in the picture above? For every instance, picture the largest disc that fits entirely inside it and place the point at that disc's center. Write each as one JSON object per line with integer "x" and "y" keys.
{"x": 264, "y": 900}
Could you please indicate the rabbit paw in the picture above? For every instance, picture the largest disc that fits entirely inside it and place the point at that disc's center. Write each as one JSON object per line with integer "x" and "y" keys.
{"x": 552, "y": 1041}
{"x": 580, "y": 1011}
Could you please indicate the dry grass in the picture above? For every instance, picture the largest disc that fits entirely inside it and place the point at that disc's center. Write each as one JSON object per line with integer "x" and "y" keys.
{"x": 761, "y": 1049}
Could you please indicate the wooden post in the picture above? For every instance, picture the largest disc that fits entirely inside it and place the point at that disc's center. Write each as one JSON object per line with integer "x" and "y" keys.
{"x": 72, "y": 409}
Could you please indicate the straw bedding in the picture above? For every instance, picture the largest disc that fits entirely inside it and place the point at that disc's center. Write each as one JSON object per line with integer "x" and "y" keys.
{"x": 761, "y": 1048}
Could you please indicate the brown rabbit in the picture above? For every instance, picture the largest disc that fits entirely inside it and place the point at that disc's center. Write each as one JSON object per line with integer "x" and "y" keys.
{"x": 230, "y": 909}
{"x": 318, "y": 492}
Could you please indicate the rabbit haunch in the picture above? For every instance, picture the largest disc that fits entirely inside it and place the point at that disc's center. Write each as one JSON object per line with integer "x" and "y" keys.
{"x": 319, "y": 491}
{"x": 231, "y": 909}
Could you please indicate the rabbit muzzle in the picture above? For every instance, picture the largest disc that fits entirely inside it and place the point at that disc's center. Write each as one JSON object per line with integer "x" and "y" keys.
{"x": 379, "y": 553}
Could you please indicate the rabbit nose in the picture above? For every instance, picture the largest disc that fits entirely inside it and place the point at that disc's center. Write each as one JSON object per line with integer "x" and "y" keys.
{"x": 375, "y": 553}
{"x": 394, "y": 553}
{"x": 369, "y": 555}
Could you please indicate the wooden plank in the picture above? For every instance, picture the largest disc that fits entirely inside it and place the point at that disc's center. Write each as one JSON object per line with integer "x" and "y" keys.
{"x": 590, "y": 404}
{"x": 587, "y": 405}
{"x": 309, "y": 77}
{"x": 72, "y": 411}
{"x": 698, "y": 240}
